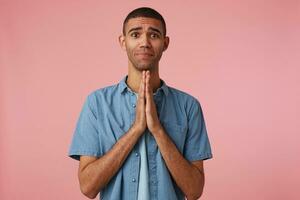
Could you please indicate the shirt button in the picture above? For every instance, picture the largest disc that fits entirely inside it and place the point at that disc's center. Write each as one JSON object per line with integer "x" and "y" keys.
{"x": 133, "y": 105}
{"x": 136, "y": 154}
{"x": 133, "y": 180}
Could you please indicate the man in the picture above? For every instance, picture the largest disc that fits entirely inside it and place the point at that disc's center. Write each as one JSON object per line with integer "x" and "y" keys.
{"x": 141, "y": 139}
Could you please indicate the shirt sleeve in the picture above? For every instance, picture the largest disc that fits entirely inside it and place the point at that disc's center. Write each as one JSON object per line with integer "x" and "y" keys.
{"x": 197, "y": 145}
{"x": 85, "y": 138}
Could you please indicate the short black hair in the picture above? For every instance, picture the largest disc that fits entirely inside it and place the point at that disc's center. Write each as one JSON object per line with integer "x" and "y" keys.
{"x": 145, "y": 12}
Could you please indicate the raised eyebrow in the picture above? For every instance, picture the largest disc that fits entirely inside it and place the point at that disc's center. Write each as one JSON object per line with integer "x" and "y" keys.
{"x": 135, "y": 29}
{"x": 140, "y": 28}
{"x": 155, "y": 30}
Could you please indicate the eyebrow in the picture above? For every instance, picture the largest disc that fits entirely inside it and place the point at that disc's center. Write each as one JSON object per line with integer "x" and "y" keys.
{"x": 150, "y": 28}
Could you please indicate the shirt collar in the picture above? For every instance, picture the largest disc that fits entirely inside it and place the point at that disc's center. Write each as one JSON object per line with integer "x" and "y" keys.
{"x": 123, "y": 86}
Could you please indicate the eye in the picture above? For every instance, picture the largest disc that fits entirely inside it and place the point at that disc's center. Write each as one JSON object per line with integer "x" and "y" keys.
{"x": 154, "y": 35}
{"x": 134, "y": 34}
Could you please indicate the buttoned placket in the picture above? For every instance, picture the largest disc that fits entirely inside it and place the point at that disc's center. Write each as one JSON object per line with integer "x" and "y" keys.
{"x": 134, "y": 155}
{"x": 151, "y": 150}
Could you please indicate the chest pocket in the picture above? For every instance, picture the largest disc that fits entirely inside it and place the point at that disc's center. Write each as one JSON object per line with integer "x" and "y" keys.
{"x": 177, "y": 133}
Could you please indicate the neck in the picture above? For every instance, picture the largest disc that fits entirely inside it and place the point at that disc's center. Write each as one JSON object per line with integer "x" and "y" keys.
{"x": 135, "y": 77}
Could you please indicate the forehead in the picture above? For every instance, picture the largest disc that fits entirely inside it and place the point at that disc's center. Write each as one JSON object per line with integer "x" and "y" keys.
{"x": 143, "y": 22}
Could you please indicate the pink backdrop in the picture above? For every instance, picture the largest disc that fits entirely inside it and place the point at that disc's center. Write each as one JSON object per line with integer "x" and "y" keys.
{"x": 239, "y": 58}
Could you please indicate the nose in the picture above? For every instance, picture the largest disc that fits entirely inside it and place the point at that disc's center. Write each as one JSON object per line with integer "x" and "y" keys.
{"x": 145, "y": 43}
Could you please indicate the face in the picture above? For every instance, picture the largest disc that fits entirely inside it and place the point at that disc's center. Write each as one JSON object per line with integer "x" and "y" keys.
{"x": 144, "y": 43}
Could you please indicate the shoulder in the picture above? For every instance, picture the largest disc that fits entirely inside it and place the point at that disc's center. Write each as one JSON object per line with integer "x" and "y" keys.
{"x": 186, "y": 101}
{"x": 101, "y": 95}
{"x": 183, "y": 97}
{"x": 102, "y": 92}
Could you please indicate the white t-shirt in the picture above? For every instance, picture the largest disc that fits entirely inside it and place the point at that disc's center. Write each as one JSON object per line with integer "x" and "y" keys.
{"x": 143, "y": 188}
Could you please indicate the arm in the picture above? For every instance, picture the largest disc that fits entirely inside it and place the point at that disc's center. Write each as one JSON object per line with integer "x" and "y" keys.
{"x": 94, "y": 173}
{"x": 188, "y": 176}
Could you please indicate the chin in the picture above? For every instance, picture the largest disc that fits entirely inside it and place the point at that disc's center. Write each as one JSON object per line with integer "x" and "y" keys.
{"x": 142, "y": 67}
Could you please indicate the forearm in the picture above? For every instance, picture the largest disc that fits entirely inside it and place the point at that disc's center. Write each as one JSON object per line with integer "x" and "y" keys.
{"x": 187, "y": 177}
{"x": 97, "y": 174}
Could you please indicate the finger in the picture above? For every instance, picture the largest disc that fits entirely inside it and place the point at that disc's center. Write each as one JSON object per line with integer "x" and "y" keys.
{"x": 148, "y": 87}
{"x": 144, "y": 82}
{"x": 142, "y": 88}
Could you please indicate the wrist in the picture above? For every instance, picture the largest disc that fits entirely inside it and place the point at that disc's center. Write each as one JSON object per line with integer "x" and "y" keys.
{"x": 137, "y": 129}
{"x": 157, "y": 130}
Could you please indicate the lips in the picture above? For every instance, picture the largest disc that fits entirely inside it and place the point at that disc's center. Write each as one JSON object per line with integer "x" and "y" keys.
{"x": 144, "y": 54}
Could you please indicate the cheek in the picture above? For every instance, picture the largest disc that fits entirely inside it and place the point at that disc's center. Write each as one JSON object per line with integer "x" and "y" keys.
{"x": 130, "y": 48}
{"x": 158, "y": 46}
{"x": 159, "y": 49}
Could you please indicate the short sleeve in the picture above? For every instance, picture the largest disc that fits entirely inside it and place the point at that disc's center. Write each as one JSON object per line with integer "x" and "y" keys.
{"x": 197, "y": 145}
{"x": 85, "y": 138}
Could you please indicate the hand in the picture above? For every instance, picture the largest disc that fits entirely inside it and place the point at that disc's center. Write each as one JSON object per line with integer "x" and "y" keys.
{"x": 140, "y": 117}
{"x": 153, "y": 122}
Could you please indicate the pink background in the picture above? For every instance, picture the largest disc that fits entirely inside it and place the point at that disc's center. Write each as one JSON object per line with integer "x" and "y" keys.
{"x": 239, "y": 58}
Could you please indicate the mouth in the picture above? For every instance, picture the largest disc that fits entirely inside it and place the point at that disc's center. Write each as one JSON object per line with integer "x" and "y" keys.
{"x": 144, "y": 54}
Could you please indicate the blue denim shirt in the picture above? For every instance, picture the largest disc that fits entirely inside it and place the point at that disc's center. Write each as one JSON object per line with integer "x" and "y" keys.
{"x": 109, "y": 112}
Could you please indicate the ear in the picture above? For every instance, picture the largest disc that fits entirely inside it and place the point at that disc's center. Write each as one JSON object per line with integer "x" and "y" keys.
{"x": 122, "y": 42}
{"x": 166, "y": 43}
